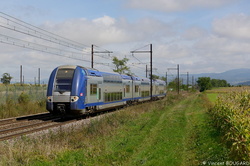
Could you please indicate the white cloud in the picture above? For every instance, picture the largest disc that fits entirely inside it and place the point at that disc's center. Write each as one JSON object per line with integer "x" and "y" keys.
{"x": 222, "y": 45}
{"x": 100, "y": 31}
{"x": 194, "y": 48}
{"x": 106, "y": 30}
{"x": 233, "y": 26}
{"x": 194, "y": 33}
{"x": 176, "y": 5}
{"x": 222, "y": 53}
{"x": 105, "y": 20}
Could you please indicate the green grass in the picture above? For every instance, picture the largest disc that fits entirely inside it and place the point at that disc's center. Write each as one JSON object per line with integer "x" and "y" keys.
{"x": 173, "y": 131}
{"x": 212, "y": 96}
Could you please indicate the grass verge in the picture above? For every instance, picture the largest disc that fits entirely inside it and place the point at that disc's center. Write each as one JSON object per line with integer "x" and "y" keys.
{"x": 173, "y": 131}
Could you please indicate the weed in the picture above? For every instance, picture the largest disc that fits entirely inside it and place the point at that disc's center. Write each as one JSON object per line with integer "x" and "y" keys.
{"x": 23, "y": 98}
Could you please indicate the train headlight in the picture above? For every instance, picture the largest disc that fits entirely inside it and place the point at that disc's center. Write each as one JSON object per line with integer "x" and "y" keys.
{"x": 74, "y": 98}
{"x": 49, "y": 98}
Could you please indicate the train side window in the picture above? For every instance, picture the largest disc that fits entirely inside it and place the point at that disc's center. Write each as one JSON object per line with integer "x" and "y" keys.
{"x": 136, "y": 88}
{"x": 127, "y": 88}
{"x": 93, "y": 89}
{"x": 100, "y": 93}
{"x": 105, "y": 97}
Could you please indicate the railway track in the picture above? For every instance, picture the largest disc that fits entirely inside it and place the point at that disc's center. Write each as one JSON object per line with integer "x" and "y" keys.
{"x": 19, "y": 126}
{"x": 14, "y": 127}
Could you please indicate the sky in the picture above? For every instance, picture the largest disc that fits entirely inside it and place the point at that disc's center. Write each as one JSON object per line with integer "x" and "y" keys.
{"x": 201, "y": 36}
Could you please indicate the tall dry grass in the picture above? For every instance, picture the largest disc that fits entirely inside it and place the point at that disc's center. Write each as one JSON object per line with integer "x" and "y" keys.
{"x": 23, "y": 106}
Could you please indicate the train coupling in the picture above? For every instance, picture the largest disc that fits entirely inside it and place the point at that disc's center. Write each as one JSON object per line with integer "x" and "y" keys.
{"x": 61, "y": 108}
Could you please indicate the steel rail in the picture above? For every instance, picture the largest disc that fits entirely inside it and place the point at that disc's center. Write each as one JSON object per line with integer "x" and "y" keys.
{"x": 35, "y": 130}
{"x": 27, "y": 126}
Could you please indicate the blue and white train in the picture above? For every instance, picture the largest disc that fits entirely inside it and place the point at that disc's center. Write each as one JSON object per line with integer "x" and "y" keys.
{"x": 80, "y": 90}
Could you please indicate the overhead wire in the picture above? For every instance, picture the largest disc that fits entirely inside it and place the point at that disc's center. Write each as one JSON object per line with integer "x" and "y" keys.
{"x": 102, "y": 51}
{"x": 15, "y": 25}
{"x": 38, "y": 30}
{"x": 141, "y": 48}
{"x": 19, "y": 26}
{"x": 38, "y": 47}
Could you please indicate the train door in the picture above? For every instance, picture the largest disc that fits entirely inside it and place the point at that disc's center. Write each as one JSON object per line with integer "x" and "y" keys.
{"x": 99, "y": 92}
{"x": 127, "y": 90}
{"x": 136, "y": 91}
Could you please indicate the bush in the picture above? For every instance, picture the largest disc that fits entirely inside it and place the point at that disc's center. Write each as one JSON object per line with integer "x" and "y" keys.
{"x": 9, "y": 101}
{"x": 23, "y": 98}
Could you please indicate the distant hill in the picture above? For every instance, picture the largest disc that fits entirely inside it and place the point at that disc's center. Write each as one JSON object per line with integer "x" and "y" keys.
{"x": 234, "y": 77}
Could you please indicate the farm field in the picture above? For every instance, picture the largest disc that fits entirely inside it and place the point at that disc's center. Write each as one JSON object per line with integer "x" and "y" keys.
{"x": 230, "y": 113}
{"x": 173, "y": 131}
{"x": 215, "y": 92}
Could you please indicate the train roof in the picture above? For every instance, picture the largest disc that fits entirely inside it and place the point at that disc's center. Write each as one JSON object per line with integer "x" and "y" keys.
{"x": 136, "y": 78}
{"x": 160, "y": 81}
{"x": 92, "y": 72}
{"x": 97, "y": 73}
{"x": 126, "y": 77}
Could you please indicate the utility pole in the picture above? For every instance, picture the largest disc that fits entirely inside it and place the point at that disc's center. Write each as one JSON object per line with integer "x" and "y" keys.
{"x": 187, "y": 80}
{"x": 178, "y": 77}
{"x": 192, "y": 82}
{"x": 151, "y": 72}
{"x": 146, "y": 71}
{"x": 92, "y": 54}
{"x": 39, "y": 76}
{"x": 166, "y": 78}
{"x": 21, "y": 74}
{"x": 151, "y": 69}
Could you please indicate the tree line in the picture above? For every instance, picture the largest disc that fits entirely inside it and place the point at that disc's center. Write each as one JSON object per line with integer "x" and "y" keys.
{"x": 206, "y": 83}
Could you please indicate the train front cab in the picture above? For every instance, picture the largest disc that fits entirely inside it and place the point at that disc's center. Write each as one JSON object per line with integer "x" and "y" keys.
{"x": 66, "y": 90}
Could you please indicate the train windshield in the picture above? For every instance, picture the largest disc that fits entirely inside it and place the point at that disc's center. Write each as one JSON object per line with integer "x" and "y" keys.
{"x": 64, "y": 80}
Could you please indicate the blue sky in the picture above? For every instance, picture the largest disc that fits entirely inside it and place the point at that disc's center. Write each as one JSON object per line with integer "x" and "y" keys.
{"x": 202, "y": 36}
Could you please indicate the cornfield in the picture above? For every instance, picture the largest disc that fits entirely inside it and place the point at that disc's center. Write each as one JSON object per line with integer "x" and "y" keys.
{"x": 231, "y": 114}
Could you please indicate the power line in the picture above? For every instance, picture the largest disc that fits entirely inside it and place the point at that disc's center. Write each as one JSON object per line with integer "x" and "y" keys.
{"x": 151, "y": 68}
{"x": 38, "y": 47}
{"x": 70, "y": 49}
{"x": 92, "y": 54}
{"x": 20, "y": 26}
{"x": 138, "y": 59}
{"x": 141, "y": 48}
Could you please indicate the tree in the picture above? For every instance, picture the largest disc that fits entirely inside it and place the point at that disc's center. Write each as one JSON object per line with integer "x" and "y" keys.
{"x": 163, "y": 78}
{"x": 219, "y": 83}
{"x": 6, "y": 78}
{"x": 174, "y": 84}
{"x": 154, "y": 77}
{"x": 120, "y": 65}
{"x": 204, "y": 83}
